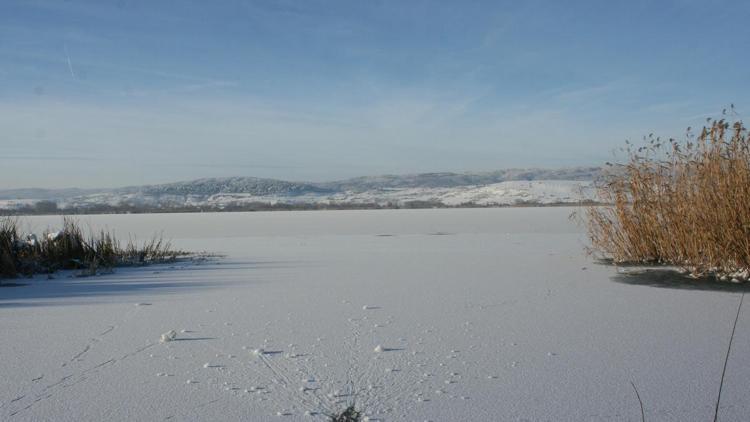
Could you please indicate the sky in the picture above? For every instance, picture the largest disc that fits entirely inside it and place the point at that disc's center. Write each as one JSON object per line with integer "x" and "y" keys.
{"x": 114, "y": 93}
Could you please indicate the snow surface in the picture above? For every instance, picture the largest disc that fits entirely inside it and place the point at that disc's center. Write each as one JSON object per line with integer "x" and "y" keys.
{"x": 476, "y": 314}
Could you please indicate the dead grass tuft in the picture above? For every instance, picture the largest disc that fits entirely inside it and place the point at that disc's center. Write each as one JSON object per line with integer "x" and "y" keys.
{"x": 70, "y": 248}
{"x": 350, "y": 414}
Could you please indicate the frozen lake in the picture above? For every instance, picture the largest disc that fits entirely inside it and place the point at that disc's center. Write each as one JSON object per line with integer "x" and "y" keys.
{"x": 481, "y": 314}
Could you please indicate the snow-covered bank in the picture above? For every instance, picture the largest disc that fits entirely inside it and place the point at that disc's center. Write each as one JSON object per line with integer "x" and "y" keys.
{"x": 443, "y": 315}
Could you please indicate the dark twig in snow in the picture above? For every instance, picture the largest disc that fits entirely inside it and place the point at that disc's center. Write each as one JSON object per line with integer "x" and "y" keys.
{"x": 726, "y": 358}
{"x": 643, "y": 414}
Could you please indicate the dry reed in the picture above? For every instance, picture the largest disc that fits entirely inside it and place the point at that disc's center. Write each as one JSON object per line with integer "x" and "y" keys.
{"x": 680, "y": 203}
{"x": 71, "y": 249}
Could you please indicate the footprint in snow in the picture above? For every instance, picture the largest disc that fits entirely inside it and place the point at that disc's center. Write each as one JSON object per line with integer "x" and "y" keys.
{"x": 380, "y": 349}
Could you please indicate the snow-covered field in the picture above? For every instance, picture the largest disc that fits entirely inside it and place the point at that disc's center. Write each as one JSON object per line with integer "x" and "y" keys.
{"x": 441, "y": 315}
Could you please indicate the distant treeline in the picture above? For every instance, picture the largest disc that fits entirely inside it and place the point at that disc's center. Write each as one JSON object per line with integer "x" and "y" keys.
{"x": 51, "y": 208}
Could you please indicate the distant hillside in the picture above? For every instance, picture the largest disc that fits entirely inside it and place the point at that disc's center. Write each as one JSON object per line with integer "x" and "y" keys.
{"x": 212, "y": 186}
{"x": 448, "y": 180}
{"x": 502, "y": 187}
{"x": 44, "y": 194}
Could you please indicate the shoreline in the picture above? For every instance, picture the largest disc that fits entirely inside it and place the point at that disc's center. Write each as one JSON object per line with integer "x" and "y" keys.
{"x": 287, "y": 207}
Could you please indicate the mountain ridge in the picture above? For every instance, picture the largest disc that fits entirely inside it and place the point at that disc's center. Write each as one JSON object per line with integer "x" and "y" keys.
{"x": 443, "y": 189}
{"x": 269, "y": 186}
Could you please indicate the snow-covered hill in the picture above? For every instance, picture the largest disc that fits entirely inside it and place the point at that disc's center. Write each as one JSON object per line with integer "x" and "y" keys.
{"x": 504, "y": 187}
{"x": 503, "y": 193}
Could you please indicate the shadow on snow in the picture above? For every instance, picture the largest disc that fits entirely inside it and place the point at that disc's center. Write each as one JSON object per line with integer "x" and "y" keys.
{"x": 672, "y": 279}
{"x": 155, "y": 279}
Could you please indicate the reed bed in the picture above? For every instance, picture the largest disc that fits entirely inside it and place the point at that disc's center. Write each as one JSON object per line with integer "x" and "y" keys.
{"x": 70, "y": 248}
{"x": 679, "y": 203}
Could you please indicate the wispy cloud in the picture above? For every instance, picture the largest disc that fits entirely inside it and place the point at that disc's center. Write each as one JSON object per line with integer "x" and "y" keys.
{"x": 572, "y": 96}
{"x": 42, "y": 157}
{"x": 180, "y": 88}
{"x": 70, "y": 63}
{"x": 671, "y": 107}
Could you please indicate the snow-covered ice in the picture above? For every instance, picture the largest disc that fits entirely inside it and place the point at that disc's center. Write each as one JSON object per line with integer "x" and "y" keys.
{"x": 495, "y": 320}
{"x": 54, "y": 235}
{"x": 168, "y": 336}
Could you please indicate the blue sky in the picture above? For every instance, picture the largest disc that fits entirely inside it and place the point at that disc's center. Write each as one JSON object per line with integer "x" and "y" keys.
{"x": 109, "y": 93}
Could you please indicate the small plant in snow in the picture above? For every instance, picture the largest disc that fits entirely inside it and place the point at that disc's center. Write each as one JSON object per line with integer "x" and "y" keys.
{"x": 350, "y": 414}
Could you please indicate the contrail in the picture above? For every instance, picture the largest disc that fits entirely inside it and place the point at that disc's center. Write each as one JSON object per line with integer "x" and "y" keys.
{"x": 70, "y": 64}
